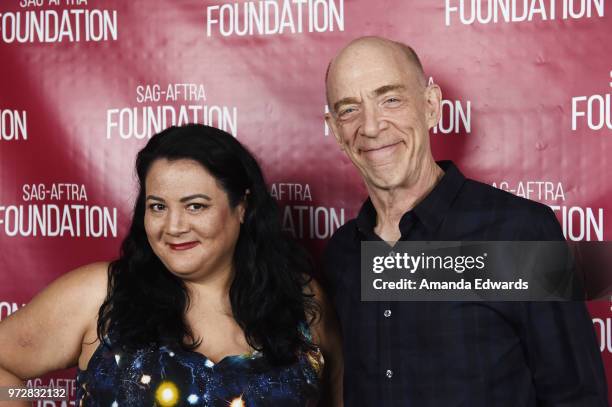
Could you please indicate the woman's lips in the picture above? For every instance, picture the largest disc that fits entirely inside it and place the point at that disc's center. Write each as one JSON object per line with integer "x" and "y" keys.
{"x": 182, "y": 246}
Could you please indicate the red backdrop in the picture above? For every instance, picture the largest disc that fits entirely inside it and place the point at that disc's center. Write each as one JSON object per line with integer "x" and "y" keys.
{"x": 83, "y": 84}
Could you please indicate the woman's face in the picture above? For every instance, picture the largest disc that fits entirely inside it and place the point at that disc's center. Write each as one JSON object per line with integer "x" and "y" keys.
{"x": 189, "y": 223}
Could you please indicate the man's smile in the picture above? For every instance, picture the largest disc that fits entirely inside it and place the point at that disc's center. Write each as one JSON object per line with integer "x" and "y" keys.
{"x": 379, "y": 153}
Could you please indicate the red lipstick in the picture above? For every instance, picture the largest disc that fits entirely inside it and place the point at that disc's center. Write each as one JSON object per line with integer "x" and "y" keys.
{"x": 182, "y": 246}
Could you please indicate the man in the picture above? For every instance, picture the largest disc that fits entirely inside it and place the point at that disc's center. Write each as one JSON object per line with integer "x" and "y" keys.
{"x": 439, "y": 353}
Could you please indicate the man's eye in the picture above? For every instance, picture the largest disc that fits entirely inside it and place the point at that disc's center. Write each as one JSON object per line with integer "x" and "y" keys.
{"x": 157, "y": 207}
{"x": 347, "y": 111}
{"x": 392, "y": 100}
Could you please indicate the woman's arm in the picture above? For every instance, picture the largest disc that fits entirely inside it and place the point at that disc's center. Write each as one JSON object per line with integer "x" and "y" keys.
{"x": 47, "y": 334}
{"x": 326, "y": 334}
{"x": 8, "y": 379}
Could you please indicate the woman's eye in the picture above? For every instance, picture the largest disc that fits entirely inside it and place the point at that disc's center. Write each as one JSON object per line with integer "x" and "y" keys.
{"x": 156, "y": 207}
{"x": 196, "y": 207}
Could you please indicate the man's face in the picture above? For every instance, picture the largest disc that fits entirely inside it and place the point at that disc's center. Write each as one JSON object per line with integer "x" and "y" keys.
{"x": 381, "y": 114}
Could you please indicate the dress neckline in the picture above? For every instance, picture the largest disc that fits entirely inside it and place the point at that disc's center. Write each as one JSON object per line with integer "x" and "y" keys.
{"x": 254, "y": 354}
{"x": 208, "y": 362}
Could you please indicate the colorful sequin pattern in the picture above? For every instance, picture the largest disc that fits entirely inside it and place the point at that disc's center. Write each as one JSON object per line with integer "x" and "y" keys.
{"x": 160, "y": 376}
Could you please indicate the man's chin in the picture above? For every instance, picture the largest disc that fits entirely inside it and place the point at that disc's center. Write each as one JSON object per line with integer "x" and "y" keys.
{"x": 383, "y": 182}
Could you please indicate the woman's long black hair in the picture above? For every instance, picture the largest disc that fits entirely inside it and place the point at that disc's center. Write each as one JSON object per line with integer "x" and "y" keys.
{"x": 146, "y": 304}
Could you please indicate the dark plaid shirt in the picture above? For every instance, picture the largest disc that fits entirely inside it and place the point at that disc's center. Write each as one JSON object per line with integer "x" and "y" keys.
{"x": 468, "y": 354}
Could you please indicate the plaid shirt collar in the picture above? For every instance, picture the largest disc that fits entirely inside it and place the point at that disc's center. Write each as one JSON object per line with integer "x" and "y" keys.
{"x": 431, "y": 211}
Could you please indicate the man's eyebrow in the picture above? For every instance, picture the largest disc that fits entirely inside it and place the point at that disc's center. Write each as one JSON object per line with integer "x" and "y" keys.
{"x": 377, "y": 92}
{"x": 388, "y": 88}
{"x": 344, "y": 101}
{"x": 184, "y": 199}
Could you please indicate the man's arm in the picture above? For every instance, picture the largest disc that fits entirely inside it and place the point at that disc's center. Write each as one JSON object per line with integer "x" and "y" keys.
{"x": 559, "y": 339}
{"x": 563, "y": 355}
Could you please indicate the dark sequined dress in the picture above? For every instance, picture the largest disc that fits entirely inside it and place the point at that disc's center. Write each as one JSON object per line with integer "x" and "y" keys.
{"x": 164, "y": 376}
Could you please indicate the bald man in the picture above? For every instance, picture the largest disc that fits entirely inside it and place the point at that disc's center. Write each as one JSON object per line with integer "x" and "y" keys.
{"x": 439, "y": 353}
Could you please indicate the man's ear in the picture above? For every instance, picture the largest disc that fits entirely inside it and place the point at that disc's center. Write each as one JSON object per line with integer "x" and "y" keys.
{"x": 433, "y": 100}
{"x": 333, "y": 127}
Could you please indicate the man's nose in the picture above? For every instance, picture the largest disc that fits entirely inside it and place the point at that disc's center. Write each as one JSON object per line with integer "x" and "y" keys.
{"x": 372, "y": 124}
{"x": 177, "y": 223}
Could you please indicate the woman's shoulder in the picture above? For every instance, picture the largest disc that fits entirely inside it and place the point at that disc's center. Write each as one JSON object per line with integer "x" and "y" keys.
{"x": 326, "y": 336}
{"x": 90, "y": 280}
{"x": 320, "y": 311}
{"x": 39, "y": 338}
{"x": 94, "y": 272}
{"x": 84, "y": 288}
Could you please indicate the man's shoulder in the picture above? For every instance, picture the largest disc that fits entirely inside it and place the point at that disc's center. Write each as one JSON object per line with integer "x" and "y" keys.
{"x": 341, "y": 250}
{"x": 516, "y": 216}
{"x": 480, "y": 195}
{"x": 344, "y": 235}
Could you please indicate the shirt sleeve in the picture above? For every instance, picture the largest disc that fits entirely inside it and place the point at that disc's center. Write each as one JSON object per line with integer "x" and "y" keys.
{"x": 329, "y": 278}
{"x": 559, "y": 341}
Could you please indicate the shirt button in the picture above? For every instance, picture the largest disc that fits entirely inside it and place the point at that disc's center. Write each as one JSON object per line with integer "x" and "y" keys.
{"x": 389, "y": 373}
{"x": 391, "y": 253}
{"x": 387, "y": 313}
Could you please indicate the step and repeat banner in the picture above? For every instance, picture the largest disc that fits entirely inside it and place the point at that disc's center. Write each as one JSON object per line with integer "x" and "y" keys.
{"x": 527, "y": 108}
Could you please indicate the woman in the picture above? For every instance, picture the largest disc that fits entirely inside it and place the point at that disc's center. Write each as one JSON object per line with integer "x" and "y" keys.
{"x": 209, "y": 304}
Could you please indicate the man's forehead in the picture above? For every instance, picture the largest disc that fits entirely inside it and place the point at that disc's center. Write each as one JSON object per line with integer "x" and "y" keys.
{"x": 371, "y": 89}
{"x": 368, "y": 64}
{"x": 368, "y": 80}
{"x": 369, "y": 57}
{"x": 363, "y": 47}
{"x": 355, "y": 97}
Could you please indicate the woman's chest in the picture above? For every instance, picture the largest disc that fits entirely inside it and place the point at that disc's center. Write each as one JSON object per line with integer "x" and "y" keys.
{"x": 169, "y": 377}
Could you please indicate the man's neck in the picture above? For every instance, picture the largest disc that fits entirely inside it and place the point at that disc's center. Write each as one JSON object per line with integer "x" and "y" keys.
{"x": 392, "y": 204}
